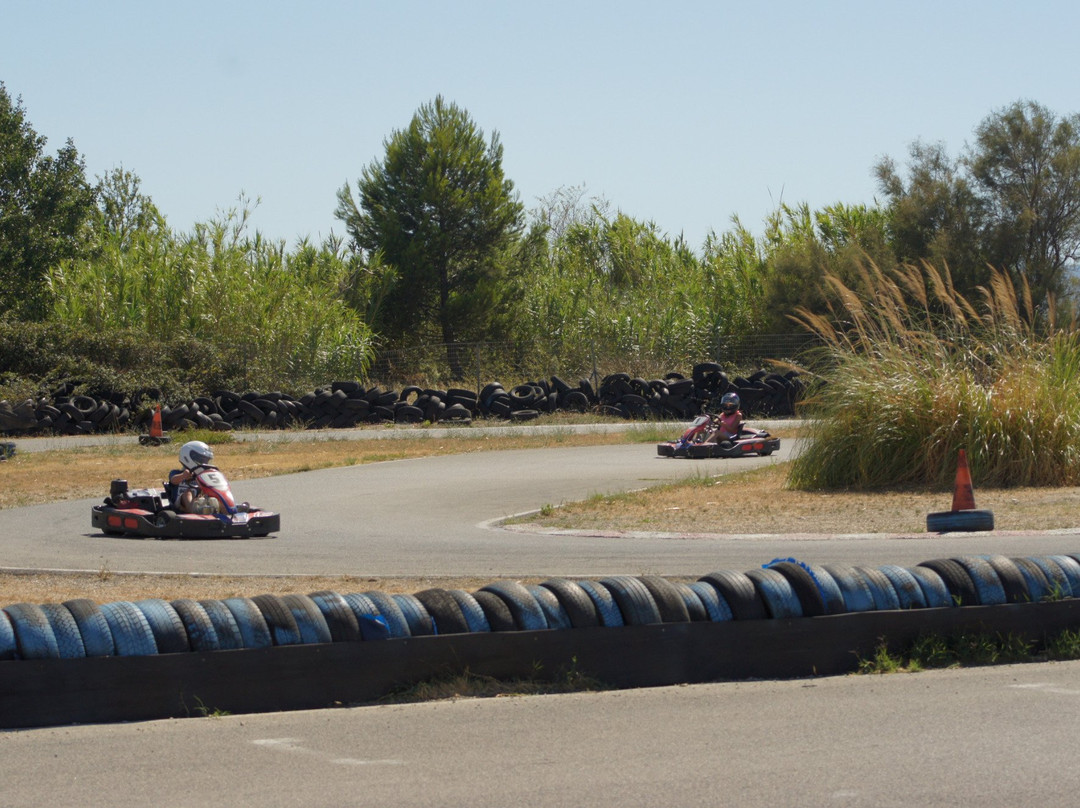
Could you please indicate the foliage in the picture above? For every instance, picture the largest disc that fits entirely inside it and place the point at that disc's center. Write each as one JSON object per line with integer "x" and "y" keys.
{"x": 266, "y": 316}
{"x": 38, "y": 358}
{"x": 611, "y": 290}
{"x": 1027, "y": 163}
{"x": 442, "y": 214}
{"x": 936, "y": 216}
{"x": 912, "y": 372}
{"x": 46, "y": 210}
{"x": 802, "y": 247}
{"x": 959, "y": 649}
{"x": 1012, "y": 202}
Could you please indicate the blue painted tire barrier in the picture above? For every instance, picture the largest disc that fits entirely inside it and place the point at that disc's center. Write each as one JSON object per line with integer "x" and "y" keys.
{"x": 8, "y": 648}
{"x": 855, "y": 589}
{"x": 985, "y": 578}
{"x": 907, "y": 588}
{"x": 834, "y": 598}
{"x": 715, "y": 606}
{"x": 131, "y": 633}
{"x": 934, "y": 589}
{"x": 780, "y": 599}
{"x": 1012, "y": 581}
{"x": 1038, "y": 585}
{"x": 652, "y": 615}
{"x": 606, "y": 608}
{"x": 170, "y": 635}
{"x": 1055, "y": 576}
{"x": 695, "y": 607}
{"x": 80, "y": 628}
{"x": 471, "y": 610}
{"x": 634, "y": 600}
{"x": 527, "y": 614}
{"x": 66, "y": 631}
{"x": 881, "y": 589}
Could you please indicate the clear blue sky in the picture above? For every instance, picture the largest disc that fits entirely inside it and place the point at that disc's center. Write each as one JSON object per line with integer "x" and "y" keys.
{"x": 682, "y": 113}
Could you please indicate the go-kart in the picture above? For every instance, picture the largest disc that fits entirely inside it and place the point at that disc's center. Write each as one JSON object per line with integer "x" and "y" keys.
{"x": 699, "y": 441}
{"x": 151, "y": 513}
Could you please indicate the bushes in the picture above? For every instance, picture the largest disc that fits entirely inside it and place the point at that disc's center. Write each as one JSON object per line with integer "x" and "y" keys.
{"x": 918, "y": 373}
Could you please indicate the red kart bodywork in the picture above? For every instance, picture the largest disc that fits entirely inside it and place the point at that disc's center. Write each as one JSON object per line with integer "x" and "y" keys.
{"x": 695, "y": 442}
{"x": 148, "y": 512}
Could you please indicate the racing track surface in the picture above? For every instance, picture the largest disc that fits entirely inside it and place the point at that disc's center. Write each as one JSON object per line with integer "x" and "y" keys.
{"x": 433, "y": 517}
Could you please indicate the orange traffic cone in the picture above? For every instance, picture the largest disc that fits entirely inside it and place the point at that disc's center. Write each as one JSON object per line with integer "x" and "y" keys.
{"x": 156, "y": 432}
{"x": 156, "y": 436}
{"x": 963, "y": 494}
{"x": 963, "y": 516}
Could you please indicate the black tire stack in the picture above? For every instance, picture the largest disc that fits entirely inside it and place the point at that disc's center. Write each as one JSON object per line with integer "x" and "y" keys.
{"x": 348, "y": 404}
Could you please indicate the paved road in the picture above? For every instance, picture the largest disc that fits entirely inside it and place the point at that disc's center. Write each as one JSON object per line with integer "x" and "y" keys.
{"x": 434, "y": 517}
{"x": 990, "y": 737}
{"x": 994, "y": 737}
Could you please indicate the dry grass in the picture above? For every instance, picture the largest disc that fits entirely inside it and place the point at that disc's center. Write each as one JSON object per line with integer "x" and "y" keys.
{"x": 759, "y": 502}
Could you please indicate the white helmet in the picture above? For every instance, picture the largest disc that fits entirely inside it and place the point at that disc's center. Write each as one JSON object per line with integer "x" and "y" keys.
{"x": 195, "y": 453}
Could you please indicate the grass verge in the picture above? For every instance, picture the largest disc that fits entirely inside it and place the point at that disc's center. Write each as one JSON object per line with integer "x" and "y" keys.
{"x": 967, "y": 649}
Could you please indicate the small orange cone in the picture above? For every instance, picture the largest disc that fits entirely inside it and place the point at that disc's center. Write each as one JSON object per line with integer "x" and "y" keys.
{"x": 963, "y": 493}
{"x": 156, "y": 432}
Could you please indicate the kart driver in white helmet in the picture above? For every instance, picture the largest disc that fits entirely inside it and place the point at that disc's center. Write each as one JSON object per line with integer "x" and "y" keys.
{"x": 193, "y": 455}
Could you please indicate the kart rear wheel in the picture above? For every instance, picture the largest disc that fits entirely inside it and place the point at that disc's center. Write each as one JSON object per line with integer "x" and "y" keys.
{"x": 163, "y": 518}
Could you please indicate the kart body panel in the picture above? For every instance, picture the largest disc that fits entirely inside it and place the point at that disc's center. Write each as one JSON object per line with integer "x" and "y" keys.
{"x": 695, "y": 442}
{"x": 151, "y": 514}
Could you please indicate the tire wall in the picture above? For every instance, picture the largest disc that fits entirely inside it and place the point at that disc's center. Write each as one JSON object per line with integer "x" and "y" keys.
{"x": 299, "y": 652}
{"x": 347, "y": 404}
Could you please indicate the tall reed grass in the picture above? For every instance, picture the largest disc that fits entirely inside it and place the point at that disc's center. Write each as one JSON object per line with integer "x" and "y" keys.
{"x": 279, "y": 314}
{"x": 912, "y": 372}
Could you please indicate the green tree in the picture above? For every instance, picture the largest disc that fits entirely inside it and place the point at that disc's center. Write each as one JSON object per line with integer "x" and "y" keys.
{"x": 937, "y": 215}
{"x": 803, "y": 246}
{"x": 46, "y": 211}
{"x": 442, "y": 215}
{"x": 124, "y": 210}
{"x": 1026, "y": 162}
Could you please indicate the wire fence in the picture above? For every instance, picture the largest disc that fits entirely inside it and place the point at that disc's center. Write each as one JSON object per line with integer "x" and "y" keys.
{"x": 475, "y": 364}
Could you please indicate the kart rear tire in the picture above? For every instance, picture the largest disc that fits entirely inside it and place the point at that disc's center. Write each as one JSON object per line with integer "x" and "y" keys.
{"x": 163, "y": 518}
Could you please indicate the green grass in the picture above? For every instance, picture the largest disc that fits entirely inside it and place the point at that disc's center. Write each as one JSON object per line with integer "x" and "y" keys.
{"x": 968, "y": 649}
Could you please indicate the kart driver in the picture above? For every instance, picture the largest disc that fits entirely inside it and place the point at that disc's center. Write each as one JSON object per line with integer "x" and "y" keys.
{"x": 193, "y": 454}
{"x": 730, "y": 420}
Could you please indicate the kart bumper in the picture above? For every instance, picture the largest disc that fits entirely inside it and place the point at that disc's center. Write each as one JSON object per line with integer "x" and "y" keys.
{"x": 169, "y": 525}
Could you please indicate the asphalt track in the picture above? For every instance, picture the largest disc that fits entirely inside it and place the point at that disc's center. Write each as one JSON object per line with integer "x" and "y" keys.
{"x": 439, "y": 516}
{"x": 998, "y": 736}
